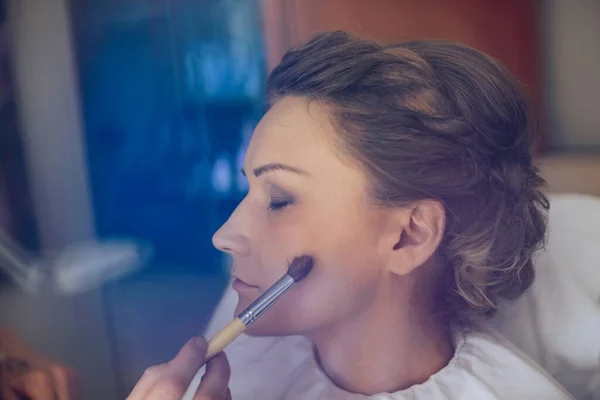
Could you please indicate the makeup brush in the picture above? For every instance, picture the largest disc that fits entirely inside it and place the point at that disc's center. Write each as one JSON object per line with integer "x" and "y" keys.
{"x": 298, "y": 270}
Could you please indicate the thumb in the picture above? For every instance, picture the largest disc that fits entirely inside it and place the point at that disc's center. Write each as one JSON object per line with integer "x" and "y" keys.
{"x": 188, "y": 361}
{"x": 176, "y": 376}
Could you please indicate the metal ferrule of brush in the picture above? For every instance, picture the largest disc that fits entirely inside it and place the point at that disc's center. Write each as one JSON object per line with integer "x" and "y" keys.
{"x": 266, "y": 300}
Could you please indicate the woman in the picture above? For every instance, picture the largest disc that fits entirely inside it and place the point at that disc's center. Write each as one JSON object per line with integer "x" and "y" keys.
{"x": 405, "y": 171}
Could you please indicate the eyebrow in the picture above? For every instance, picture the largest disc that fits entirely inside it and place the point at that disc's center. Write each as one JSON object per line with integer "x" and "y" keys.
{"x": 263, "y": 169}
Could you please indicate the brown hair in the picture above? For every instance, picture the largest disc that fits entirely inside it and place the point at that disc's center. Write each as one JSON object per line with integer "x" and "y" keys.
{"x": 436, "y": 120}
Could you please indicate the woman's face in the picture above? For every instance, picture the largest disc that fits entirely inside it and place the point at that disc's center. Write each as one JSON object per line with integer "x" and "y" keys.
{"x": 304, "y": 198}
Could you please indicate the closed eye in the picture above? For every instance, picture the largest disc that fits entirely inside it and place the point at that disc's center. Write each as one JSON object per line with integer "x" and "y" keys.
{"x": 278, "y": 205}
{"x": 279, "y": 198}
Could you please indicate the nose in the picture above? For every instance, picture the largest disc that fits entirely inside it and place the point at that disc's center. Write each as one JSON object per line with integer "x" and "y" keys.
{"x": 230, "y": 237}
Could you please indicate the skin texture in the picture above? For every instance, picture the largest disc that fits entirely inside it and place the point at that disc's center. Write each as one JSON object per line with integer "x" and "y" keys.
{"x": 365, "y": 304}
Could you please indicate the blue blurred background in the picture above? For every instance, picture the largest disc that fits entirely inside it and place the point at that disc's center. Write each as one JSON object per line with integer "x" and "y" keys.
{"x": 170, "y": 94}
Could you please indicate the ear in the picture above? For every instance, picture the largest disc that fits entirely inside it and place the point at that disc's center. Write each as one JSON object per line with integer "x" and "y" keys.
{"x": 414, "y": 235}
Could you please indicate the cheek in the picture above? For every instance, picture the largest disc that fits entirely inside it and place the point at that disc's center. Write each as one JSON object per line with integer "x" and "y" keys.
{"x": 340, "y": 284}
{"x": 345, "y": 275}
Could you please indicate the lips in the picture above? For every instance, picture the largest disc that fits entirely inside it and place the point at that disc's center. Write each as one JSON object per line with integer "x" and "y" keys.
{"x": 239, "y": 285}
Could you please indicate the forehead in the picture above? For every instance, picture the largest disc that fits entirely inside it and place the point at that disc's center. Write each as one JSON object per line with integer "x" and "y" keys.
{"x": 297, "y": 132}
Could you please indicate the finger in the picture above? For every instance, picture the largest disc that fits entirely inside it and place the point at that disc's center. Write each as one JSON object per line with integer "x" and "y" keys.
{"x": 64, "y": 382}
{"x": 146, "y": 382}
{"x": 177, "y": 375}
{"x": 214, "y": 383}
{"x": 7, "y": 381}
{"x": 36, "y": 385}
{"x": 8, "y": 394}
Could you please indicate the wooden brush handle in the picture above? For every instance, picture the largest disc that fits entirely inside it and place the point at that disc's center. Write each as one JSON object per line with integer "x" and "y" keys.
{"x": 224, "y": 337}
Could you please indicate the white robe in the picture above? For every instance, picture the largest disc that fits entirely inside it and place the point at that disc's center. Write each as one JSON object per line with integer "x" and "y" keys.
{"x": 484, "y": 367}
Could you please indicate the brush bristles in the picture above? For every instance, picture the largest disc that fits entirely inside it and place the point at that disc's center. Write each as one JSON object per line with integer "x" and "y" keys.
{"x": 300, "y": 267}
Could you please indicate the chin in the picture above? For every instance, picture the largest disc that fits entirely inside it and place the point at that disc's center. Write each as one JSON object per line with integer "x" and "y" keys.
{"x": 257, "y": 329}
{"x": 267, "y": 325}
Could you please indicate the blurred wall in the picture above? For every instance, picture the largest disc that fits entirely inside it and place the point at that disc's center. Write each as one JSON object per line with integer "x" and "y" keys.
{"x": 48, "y": 103}
{"x": 571, "y": 65}
{"x": 71, "y": 330}
{"x": 570, "y": 34}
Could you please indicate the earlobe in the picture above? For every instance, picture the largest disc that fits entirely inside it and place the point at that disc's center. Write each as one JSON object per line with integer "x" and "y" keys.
{"x": 418, "y": 236}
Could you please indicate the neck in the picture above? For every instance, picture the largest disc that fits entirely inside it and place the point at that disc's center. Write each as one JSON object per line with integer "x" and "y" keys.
{"x": 383, "y": 349}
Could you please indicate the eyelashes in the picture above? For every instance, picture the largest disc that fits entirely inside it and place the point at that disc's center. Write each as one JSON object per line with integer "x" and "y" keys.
{"x": 279, "y": 199}
{"x": 279, "y": 204}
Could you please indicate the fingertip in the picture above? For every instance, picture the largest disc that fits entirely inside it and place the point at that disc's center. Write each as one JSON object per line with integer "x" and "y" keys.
{"x": 194, "y": 348}
{"x": 189, "y": 359}
{"x": 200, "y": 344}
{"x": 36, "y": 384}
{"x": 38, "y": 378}
{"x": 220, "y": 365}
